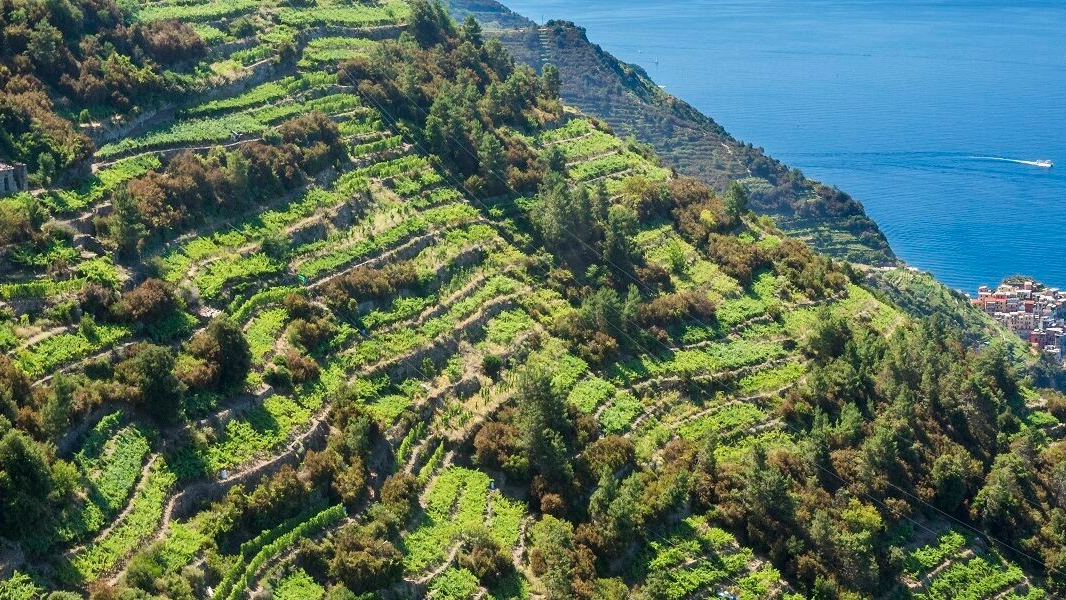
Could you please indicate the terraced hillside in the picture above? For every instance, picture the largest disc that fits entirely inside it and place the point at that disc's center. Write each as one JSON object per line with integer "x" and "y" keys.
{"x": 360, "y": 309}
{"x": 693, "y": 143}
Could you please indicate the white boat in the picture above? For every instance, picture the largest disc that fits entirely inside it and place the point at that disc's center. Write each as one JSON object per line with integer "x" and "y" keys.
{"x": 1047, "y": 164}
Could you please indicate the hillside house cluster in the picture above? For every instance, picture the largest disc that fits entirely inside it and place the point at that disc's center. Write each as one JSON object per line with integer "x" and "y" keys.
{"x": 1033, "y": 311}
{"x": 12, "y": 178}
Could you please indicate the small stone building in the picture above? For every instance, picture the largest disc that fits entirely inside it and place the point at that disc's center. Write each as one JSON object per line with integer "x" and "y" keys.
{"x": 12, "y": 179}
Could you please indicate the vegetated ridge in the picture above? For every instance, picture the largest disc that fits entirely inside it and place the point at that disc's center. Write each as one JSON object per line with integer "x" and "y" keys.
{"x": 833, "y": 223}
{"x": 340, "y": 300}
{"x": 625, "y": 96}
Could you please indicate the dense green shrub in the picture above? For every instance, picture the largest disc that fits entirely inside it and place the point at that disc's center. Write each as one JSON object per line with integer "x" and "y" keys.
{"x": 150, "y": 372}
{"x": 150, "y": 302}
{"x": 218, "y": 357}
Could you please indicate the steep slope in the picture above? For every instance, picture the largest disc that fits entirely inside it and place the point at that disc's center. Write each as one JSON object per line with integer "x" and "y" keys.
{"x": 77, "y": 61}
{"x": 624, "y": 96}
{"x": 381, "y": 316}
{"x": 695, "y": 145}
{"x": 921, "y": 295}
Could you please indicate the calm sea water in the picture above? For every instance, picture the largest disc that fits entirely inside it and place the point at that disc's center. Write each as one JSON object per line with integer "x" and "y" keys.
{"x": 888, "y": 100}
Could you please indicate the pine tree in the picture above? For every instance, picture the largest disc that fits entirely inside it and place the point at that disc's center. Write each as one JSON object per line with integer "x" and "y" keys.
{"x": 492, "y": 161}
{"x": 736, "y": 201}
{"x": 551, "y": 84}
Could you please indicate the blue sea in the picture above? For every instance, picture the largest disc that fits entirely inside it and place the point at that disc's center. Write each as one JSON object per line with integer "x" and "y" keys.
{"x": 891, "y": 101}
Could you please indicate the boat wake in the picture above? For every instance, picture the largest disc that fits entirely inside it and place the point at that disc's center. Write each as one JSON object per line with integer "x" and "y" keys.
{"x": 1046, "y": 164}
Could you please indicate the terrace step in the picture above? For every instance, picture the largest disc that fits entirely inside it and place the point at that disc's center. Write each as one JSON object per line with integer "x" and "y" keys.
{"x": 1020, "y": 590}
{"x": 142, "y": 481}
{"x": 925, "y": 580}
{"x": 440, "y": 569}
{"x": 612, "y": 175}
{"x": 113, "y": 352}
{"x": 44, "y": 335}
{"x": 409, "y": 249}
{"x": 591, "y": 157}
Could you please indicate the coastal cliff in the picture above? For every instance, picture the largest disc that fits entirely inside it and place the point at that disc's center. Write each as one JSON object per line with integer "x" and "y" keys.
{"x": 694, "y": 144}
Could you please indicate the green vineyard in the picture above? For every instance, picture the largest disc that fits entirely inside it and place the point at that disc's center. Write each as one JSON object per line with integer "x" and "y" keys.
{"x": 343, "y": 302}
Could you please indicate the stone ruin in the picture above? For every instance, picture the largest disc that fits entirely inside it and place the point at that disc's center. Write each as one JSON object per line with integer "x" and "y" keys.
{"x": 12, "y": 178}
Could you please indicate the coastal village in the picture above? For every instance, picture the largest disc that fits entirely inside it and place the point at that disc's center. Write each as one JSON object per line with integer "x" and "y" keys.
{"x": 1030, "y": 309}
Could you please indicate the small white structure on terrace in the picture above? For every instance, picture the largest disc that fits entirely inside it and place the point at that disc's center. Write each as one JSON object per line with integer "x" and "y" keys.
{"x": 12, "y": 179}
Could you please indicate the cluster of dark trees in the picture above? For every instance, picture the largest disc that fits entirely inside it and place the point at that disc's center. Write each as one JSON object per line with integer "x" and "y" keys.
{"x": 358, "y": 557}
{"x": 193, "y": 188}
{"x": 887, "y": 431}
{"x": 597, "y": 500}
{"x": 363, "y": 556}
{"x": 625, "y": 301}
{"x": 32, "y": 483}
{"x": 309, "y": 327}
{"x": 894, "y": 429}
{"x": 456, "y": 90}
{"x": 706, "y": 221}
{"x": 154, "y": 380}
{"x": 64, "y": 56}
{"x": 345, "y": 292}
{"x": 31, "y": 132}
